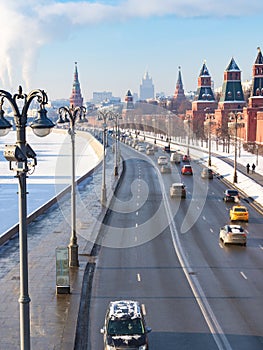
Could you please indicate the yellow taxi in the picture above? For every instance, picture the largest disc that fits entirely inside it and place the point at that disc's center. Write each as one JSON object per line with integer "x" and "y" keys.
{"x": 239, "y": 212}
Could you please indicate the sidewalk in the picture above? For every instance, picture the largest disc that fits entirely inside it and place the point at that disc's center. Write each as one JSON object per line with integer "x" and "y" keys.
{"x": 53, "y": 317}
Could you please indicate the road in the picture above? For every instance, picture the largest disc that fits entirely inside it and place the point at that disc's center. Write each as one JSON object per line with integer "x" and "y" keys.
{"x": 198, "y": 294}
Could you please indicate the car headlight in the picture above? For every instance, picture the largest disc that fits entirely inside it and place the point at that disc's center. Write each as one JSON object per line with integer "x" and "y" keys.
{"x": 143, "y": 347}
{"x": 110, "y": 347}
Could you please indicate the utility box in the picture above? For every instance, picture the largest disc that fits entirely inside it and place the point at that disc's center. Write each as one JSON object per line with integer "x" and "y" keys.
{"x": 62, "y": 271}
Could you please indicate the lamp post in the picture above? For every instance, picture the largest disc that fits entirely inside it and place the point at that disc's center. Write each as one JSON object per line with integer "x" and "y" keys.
{"x": 115, "y": 117}
{"x": 103, "y": 115}
{"x": 234, "y": 117}
{"x": 188, "y": 122}
{"x": 72, "y": 115}
{"x": 208, "y": 121}
{"x": 18, "y": 155}
{"x": 167, "y": 119}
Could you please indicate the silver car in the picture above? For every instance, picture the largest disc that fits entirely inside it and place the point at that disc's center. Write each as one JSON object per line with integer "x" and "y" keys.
{"x": 177, "y": 189}
{"x": 166, "y": 169}
{"x": 233, "y": 234}
{"x": 162, "y": 160}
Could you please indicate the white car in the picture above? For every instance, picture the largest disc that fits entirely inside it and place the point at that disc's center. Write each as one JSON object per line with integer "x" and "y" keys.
{"x": 233, "y": 234}
{"x": 141, "y": 148}
{"x": 175, "y": 158}
{"x": 166, "y": 169}
{"x": 150, "y": 151}
{"x": 177, "y": 189}
{"x": 162, "y": 160}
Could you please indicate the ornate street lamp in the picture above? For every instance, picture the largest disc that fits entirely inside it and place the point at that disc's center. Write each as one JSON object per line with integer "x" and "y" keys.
{"x": 115, "y": 117}
{"x": 72, "y": 115}
{"x": 208, "y": 121}
{"x": 234, "y": 122}
{"x": 18, "y": 155}
{"x": 104, "y": 115}
{"x": 187, "y": 121}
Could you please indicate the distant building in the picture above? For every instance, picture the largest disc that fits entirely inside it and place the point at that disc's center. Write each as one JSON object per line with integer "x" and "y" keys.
{"x": 76, "y": 99}
{"x": 146, "y": 88}
{"x": 100, "y": 96}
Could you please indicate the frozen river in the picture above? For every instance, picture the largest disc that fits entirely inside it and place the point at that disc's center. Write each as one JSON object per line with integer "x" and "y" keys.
{"x": 52, "y": 173}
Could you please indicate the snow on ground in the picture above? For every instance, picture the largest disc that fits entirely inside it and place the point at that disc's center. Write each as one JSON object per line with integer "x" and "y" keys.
{"x": 245, "y": 183}
{"x": 52, "y": 172}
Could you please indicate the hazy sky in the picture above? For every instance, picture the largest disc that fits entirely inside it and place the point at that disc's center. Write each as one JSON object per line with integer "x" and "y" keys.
{"x": 116, "y": 41}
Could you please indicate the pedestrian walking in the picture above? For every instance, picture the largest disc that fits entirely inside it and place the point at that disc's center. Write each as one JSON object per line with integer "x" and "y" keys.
{"x": 253, "y": 168}
{"x": 248, "y": 166}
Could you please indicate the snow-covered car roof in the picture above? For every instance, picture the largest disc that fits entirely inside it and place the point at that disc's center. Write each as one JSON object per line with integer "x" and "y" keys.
{"x": 124, "y": 308}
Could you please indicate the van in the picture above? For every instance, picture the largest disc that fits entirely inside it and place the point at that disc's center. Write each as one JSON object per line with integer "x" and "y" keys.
{"x": 175, "y": 158}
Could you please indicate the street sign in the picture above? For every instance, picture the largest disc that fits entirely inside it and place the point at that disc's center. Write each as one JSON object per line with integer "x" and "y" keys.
{"x": 62, "y": 271}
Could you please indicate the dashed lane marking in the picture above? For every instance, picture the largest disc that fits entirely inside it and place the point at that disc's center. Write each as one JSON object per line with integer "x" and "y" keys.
{"x": 243, "y": 275}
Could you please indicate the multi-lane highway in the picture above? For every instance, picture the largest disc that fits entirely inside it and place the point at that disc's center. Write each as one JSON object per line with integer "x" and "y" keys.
{"x": 166, "y": 253}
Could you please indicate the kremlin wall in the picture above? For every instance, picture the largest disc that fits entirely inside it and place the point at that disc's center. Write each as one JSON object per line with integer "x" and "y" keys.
{"x": 230, "y": 113}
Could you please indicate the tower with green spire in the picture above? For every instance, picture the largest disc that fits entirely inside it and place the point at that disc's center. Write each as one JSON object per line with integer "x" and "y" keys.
{"x": 232, "y": 96}
{"x": 253, "y": 116}
{"x": 204, "y": 101}
{"x": 256, "y": 96}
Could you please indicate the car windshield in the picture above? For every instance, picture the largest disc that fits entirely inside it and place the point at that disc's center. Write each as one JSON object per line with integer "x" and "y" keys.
{"x": 232, "y": 193}
{"x": 125, "y": 327}
{"x": 236, "y": 229}
{"x": 241, "y": 210}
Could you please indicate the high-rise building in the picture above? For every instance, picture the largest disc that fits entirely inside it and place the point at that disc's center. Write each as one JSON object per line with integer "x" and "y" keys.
{"x": 146, "y": 87}
{"x": 76, "y": 99}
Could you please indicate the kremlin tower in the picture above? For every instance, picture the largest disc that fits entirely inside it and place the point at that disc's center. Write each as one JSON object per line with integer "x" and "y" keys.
{"x": 253, "y": 115}
{"x": 232, "y": 97}
{"x": 204, "y": 101}
{"x": 179, "y": 96}
{"x": 76, "y": 99}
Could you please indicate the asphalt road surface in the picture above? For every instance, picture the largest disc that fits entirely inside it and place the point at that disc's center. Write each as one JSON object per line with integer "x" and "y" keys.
{"x": 166, "y": 253}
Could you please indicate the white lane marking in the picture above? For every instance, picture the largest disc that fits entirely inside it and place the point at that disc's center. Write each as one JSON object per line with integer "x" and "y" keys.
{"x": 137, "y": 213}
{"x": 243, "y": 275}
{"x": 211, "y": 230}
{"x": 138, "y": 277}
{"x": 138, "y": 204}
{"x": 138, "y": 196}
{"x": 135, "y": 239}
{"x": 261, "y": 246}
{"x": 197, "y": 208}
{"x": 210, "y": 318}
{"x": 136, "y": 225}
{"x": 143, "y": 309}
{"x": 203, "y": 217}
